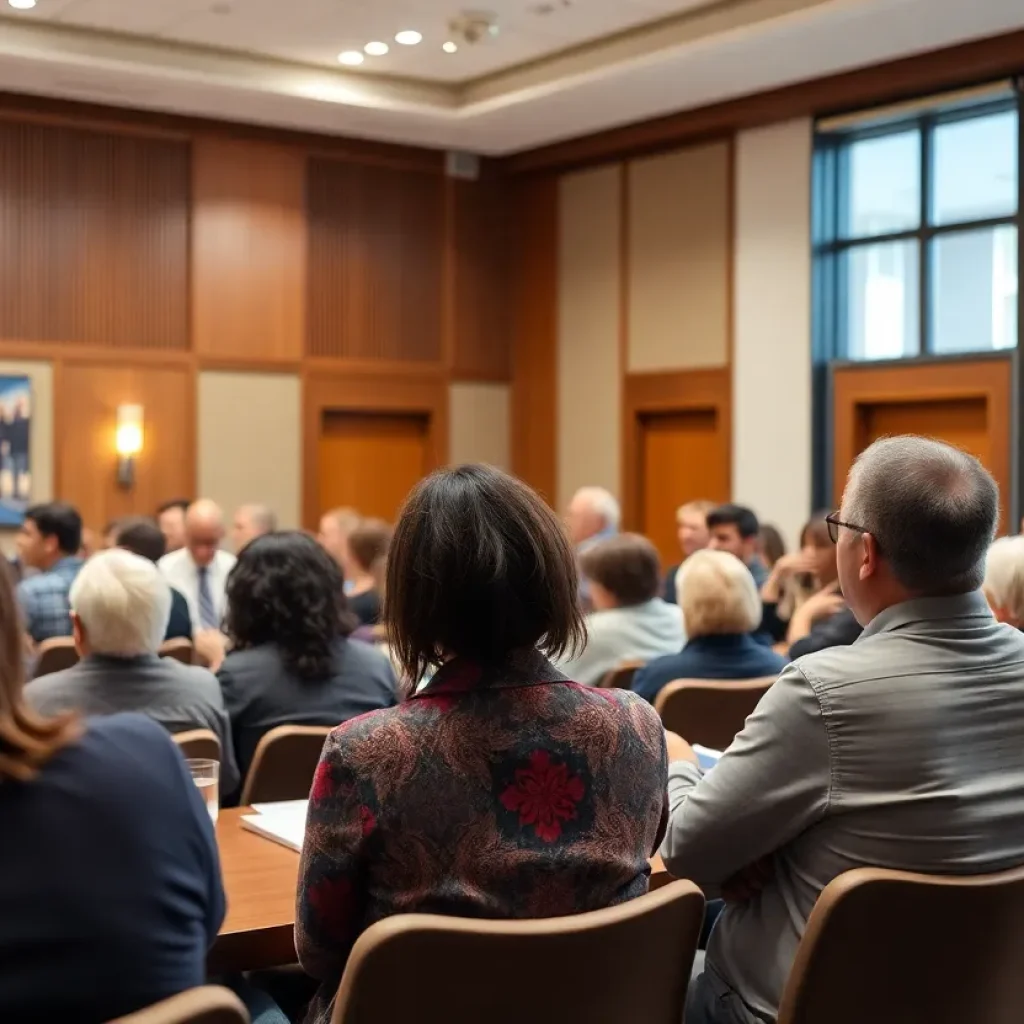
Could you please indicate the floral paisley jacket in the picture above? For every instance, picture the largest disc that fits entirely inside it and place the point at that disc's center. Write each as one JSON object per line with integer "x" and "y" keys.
{"x": 499, "y": 792}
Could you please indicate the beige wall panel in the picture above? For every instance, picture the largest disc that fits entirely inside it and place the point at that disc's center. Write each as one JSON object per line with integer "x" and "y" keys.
{"x": 250, "y": 441}
{"x": 772, "y": 294}
{"x": 478, "y": 419}
{"x": 589, "y": 404}
{"x": 679, "y": 260}
{"x": 41, "y": 439}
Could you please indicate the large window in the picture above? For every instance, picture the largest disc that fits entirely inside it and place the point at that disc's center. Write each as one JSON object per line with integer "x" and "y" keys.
{"x": 916, "y": 232}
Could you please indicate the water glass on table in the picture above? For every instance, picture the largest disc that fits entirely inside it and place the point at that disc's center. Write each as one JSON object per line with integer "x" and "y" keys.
{"x": 206, "y": 775}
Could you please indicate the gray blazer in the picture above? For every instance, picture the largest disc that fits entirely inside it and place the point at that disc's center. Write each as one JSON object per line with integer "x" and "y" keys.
{"x": 901, "y": 751}
{"x": 179, "y": 697}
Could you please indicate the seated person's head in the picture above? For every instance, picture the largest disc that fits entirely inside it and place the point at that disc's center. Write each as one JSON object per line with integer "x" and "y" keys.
{"x": 49, "y": 533}
{"x": 479, "y": 568}
{"x": 717, "y": 595}
{"x": 917, "y": 520}
{"x": 120, "y": 606}
{"x": 692, "y": 526}
{"x": 772, "y": 545}
{"x": 286, "y": 590}
{"x": 204, "y": 531}
{"x": 734, "y": 528}
{"x": 816, "y": 545}
{"x": 1004, "y": 580}
{"x": 367, "y": 546}
{"x": 170, "y": 517}
{"x": 142, "y": 537}
{"x": 335, "y": 526}
{"x": 593, "y": 510}
{"x": 250, "y": 522}
{"x": 623, "y": 571}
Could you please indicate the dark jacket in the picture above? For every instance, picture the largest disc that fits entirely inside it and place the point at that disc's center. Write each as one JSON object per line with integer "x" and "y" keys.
{"x": 839, "y": 630}
{"x": 721, "y": 656}
{"x": 260, "y": 693}
{"x": 109, "y": 879}
{"x": 180, "y": 622}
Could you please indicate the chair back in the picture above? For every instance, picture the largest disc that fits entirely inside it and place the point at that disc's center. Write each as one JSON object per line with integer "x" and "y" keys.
{"x": 709, "y": 712}
{"x": 620, "y": 677}
{"x": 179, "y": 648}
{"x": 209, "y": 1004}
{"x": 199, "y": 743}
{"x": 630, "y": 962}
{"x": 55, "y": 655}
{"x": 918, "y": 949}
{"x": 284, "y": 763}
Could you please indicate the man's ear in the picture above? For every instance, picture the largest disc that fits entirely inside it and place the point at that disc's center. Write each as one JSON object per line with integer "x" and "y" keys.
{"x": 79, "y": 634}
{"x": 870, "y": 556}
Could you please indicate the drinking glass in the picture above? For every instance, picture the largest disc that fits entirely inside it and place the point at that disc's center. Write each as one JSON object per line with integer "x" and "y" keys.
{"x": 206, "y": 775}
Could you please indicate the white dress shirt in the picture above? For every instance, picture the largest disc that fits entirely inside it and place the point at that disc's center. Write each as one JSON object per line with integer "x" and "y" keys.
{"x": 182, "y": 573}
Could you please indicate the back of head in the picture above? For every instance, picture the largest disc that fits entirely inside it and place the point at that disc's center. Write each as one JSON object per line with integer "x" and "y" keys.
{"x": 739, "y": 516}
{"x": 1004, "y": 579}
{"x": 141, "y": 536}
{"x": 261, "y": 518}
{"x": 59, "y": 520}
{"x": 931, "y": 509}
{"x": 593, "y": 510}
{"x": 122, "y": 604}
{"x": 627, "y": 566}
{"x": 368, "y": 543}
{"x": 717, "y": 595}
{"x": 286, "y": 590}
{"x": 480, "y": 568}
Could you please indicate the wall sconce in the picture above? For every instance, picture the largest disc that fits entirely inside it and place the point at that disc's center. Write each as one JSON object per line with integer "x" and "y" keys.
{"x": 128, "y": 443}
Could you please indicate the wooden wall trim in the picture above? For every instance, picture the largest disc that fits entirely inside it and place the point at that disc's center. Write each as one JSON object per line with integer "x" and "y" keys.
{"x": 366, "y": 392}
{"x": 968, "y": 63}
{"x": 854, "y": 387}
{"x": 671, "y": 391}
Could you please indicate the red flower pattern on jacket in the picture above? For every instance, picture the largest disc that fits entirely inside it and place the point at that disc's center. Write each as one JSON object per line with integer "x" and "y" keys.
{"x": 545, "y": 795}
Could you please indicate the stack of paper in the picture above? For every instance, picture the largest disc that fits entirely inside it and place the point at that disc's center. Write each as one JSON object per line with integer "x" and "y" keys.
{"x": 283, "y": 822}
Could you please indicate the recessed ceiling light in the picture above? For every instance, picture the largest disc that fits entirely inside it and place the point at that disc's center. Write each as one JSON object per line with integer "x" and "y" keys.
{"x": 450, "y": 47}
{"x": 376, "y": 49}
{"x": 22, "y": 5}
{"x": 350, "y": 57}
{"x": 409, "y": 37}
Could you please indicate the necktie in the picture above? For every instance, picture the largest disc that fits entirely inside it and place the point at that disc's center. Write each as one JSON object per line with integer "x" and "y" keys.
{"x": 207, "y": 612}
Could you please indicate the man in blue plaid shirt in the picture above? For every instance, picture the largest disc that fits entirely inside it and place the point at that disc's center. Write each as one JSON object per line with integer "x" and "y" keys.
{"x": 49, "y": 540}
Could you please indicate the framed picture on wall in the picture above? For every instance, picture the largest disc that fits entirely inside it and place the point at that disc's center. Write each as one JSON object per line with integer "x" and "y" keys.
{"x": 15, "y": 467}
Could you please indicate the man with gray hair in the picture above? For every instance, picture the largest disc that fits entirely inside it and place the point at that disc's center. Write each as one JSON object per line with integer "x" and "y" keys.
{"x": 901, "y": 751}
{"x": 251, "y": 521}
{"x": 120, "y": 606}
{"x": 592, "y": 516}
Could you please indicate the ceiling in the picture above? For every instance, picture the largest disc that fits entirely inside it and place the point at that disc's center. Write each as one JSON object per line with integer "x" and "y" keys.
{"x": 552, "y": 71}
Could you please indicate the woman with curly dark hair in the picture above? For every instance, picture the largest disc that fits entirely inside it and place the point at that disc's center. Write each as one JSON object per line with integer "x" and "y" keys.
{"x": 291, "y": 662}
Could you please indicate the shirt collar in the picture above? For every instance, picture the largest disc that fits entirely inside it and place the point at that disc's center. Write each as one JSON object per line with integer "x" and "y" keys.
{"x": 971, "y": 605}
{"x": 463, "y": 675}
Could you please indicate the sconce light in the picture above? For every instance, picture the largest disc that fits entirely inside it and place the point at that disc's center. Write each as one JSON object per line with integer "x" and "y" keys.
{"x": 128, "y": 442}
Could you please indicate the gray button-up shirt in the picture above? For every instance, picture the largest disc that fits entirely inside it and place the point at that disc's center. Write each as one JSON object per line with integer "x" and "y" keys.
{"x": 904, "y": 750}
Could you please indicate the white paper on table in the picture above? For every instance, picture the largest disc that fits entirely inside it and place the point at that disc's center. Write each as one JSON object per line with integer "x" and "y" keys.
{"x": 283, "y": 822}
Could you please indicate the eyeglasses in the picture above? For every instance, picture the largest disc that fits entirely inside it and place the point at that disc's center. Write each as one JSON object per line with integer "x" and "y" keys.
{"x": 834, "y": 522}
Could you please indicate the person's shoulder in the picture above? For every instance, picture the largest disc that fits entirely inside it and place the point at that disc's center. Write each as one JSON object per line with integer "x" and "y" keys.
{"x": 225, "y": 559}
{"x": 631, "y": 707}
{"x": 365, "y": 656}
{"x": 358, "y": 730}
{"x": 197, "y": 678}
{"x": 128, "y": 727}
{"x": 252, "y": 659}
{"x": 41, "y": 583}
{"x": 172, "y": 559}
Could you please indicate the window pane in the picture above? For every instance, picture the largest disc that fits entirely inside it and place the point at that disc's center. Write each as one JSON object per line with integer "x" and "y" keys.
{"x": 974, "y": 290}
{"x": 882, "y": 300}
{"x": 884, "y": 185}
{"x": 975, "y": 169}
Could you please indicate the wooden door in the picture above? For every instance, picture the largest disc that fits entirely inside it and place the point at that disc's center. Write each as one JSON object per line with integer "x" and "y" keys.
{"x": 371, "y": 461}
{"x": 959, "y": 421}
{"x": 681, "y": 460}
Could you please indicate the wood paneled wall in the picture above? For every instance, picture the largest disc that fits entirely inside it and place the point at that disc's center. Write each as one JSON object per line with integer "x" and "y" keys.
{"x": 136, "y": 253}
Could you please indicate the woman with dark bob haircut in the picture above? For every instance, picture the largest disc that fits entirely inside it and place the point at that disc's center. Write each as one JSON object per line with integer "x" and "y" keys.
{"x": 500, "y": 789}
{"x": 291, "y": 661}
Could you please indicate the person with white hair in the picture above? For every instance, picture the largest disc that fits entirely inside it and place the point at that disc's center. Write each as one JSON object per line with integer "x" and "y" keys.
{"x": 120, "y": 606}
{"x": 902, "y": 749}
{"x": 250, "y": 522}
{"x": 592, "y": 516}
{"x": 200, "y": 569}
{"x": 721, "y": 609}
{"x": 1004, "y": 580}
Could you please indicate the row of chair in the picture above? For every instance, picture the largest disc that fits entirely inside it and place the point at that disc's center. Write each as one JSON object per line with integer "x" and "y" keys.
{"x": 58, "y": 653}
{"x": 885, "y": 947}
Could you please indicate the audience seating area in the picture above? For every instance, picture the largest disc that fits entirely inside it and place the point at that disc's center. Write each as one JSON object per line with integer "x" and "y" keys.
{"x": 210, "y": 1004}
{"x": 283, "y": 765}
{"x": 709, "y": 713}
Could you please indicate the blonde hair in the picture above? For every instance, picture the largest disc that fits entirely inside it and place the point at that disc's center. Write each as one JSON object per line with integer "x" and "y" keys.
{"x": 701, "y": 507}
{"x": 1004, "y": 576}
{"x": 717, "y": 594}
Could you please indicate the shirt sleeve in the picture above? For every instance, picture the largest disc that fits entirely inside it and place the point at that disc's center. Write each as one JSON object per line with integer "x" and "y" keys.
{"x": 328, "y": 915}
{"x": 771, "y": 784}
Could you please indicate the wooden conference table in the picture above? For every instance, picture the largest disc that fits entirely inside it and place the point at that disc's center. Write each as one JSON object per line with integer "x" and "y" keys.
{"x": 260, "y": 878}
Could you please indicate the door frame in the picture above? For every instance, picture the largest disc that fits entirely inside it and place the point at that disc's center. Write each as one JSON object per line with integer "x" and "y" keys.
{"x": 677, "y": 391}
{"x": 369, "y": 390}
